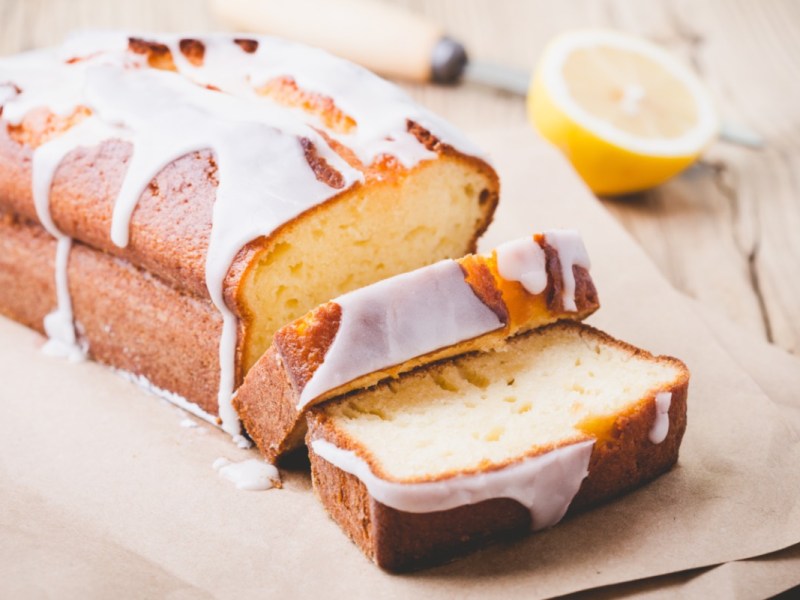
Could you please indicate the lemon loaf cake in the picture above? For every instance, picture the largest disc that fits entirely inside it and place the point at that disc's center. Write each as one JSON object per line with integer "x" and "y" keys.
{"x": 494, "y": 444}
{"x": 250, "y": 175}
{"x": 393, "y": 326}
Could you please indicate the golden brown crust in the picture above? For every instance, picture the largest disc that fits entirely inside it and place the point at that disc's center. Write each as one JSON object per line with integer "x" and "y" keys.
{"x": 248, "y": 45}
{"x": 267, "y": 400}
{"x": 257, "y": 417}
{"x": 284, "y": 90}
{"x": 483, "y": 282}
{"x": 323, "y": 171}
{"x": 623, "y": 459}
{"x": 170, "y": 227}
{"x": 131, "y": 320}
{"x": 159, "y": 56}
{"x": 193, "y": 50}
{"x": 302, "y": 345}
{"x": 584, "y": 288}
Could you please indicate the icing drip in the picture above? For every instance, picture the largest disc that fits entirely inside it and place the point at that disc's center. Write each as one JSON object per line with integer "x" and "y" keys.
{"x": 212, "y": 103}
{"x": 545, "y": 484}
{"x": 59, "y": 324}
{"x": 523, "y": 260}
{"x": 571, "y": 252}
{"x": 251, "y": 475}
{"x": 389, "y": 322}
{"x": 660, "y": 428}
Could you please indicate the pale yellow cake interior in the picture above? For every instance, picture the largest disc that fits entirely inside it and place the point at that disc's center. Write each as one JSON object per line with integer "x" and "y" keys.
{"x": 488, "y": 408}
{"x": 381, "y": 230}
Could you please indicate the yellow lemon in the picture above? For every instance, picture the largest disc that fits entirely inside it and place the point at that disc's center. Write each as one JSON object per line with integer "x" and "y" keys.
{"x": 627, "y": 114}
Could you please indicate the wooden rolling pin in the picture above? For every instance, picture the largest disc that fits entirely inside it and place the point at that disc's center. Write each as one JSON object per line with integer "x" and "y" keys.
{"x": 384, "y": 38}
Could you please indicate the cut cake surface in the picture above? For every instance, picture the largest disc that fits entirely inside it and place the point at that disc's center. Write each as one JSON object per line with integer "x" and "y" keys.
{"x": 429, "y": 463}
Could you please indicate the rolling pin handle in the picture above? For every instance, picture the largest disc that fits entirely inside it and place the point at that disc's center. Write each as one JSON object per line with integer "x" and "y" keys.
{"x": 448, "y": 61}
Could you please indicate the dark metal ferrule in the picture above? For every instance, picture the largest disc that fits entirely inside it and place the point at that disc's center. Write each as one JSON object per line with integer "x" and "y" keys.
{"x": 448, "y": 61}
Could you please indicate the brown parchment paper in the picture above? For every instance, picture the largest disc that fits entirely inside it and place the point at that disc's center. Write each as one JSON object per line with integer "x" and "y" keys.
{"x": 102, "y": 492}
{"x": 758, "y": 577}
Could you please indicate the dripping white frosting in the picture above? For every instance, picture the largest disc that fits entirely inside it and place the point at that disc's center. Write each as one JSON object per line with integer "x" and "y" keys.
{"x": 524, "y": 261}
{"x": 660, "y": 428}
{"x": 59, "y": 325}
{"x": 251, "y": 475}
{"x": 264, "y": 177}
{"x": 571, "y": 252}
{"x": 394, "y": 320}
{"x": 545, "y": 484}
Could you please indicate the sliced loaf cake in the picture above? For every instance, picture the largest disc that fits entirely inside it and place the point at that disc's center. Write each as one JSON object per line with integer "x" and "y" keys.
{"x": 494, "y": 444}
{"x": 395, "y": 325}
{"x": 254, "y": 177}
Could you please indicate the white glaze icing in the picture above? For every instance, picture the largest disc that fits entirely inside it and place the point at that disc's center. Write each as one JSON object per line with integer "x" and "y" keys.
{"x": 660, "y": 428}
{"x": 188, "y": 423}
{"x": 524, "y": 261}
{"x": 545, "y": 484}
{"x": 7, "y": 91}
{"x": 264, "y": 177}
{"x": 394, "y": 320}
{"x": 59, "y": 324}
{"x": 44, "y": 82}
{"x": 171, "y": 397}
{"x": 571, "y": 252}
{"x": 250, "y": 475}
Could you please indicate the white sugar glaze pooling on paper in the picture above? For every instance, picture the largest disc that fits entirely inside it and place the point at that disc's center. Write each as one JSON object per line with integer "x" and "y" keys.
{"x": 660, "y": 428}
{"x": 264, "y": 178}
{"x": 252, "y": 475}
{"x": 171, "y": 397}
{"x": 571, "y": 253}
{"x": 524, "y": 261}
{"x": 545, "y": 484}
{"x": 394, "y": 320}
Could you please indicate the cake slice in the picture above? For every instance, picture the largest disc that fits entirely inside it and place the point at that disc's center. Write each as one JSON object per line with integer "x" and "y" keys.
{"x": 395, "y": 325}
{"x": 495, "y": 444}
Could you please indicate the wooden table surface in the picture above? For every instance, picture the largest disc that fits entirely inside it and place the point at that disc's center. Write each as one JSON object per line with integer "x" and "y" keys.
{"x": 726, "y": 232}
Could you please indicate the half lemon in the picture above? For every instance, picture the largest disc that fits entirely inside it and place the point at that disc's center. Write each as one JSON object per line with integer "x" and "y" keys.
{"x": 627, "y": 114}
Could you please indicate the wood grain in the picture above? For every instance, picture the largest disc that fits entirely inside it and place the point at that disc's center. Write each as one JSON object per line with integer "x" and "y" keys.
{"x": 726, "y": 232}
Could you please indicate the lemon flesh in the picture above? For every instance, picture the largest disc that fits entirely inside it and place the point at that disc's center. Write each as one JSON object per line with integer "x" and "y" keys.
{"x": 626, "y": 114}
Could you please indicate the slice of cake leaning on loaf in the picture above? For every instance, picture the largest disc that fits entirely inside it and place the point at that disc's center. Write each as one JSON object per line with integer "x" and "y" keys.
{"x": 168, "y": 202}
{"x": 491, "y": 445}
{"x": 393, "y": 326}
